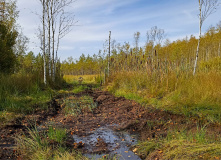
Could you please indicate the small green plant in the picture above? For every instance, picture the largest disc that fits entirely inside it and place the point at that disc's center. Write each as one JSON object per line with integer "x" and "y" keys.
{"x": 57, "y": 134}
{"x": 77, "y": 105}
{"x": 33, "y": 146}
{"x": 45, "y": 145}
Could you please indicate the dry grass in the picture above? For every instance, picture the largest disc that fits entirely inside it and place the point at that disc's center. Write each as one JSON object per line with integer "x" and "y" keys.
{"x": 190, "y": 95}
{"x": 182, "y": 149}
{"x": 76, "y": 78}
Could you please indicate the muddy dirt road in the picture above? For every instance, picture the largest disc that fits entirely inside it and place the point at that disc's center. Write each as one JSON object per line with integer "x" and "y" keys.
{"x": 110, "y": 128}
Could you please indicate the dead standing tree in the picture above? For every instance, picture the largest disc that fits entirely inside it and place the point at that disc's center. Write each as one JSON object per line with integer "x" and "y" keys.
{"x": 155, "y": 37}
{"x": 136, "y": 40}
{"x": 206, "y": 8}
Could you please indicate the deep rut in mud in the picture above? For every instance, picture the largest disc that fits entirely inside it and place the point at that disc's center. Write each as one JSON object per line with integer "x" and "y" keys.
{"x": 110, "y": 128}
{"x": 102, "y": 131}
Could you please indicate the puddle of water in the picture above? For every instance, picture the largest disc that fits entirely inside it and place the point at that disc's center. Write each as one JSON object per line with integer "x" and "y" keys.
{"x": 118, "y": 144}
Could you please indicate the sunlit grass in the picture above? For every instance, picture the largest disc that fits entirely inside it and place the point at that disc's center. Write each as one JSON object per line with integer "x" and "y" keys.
{"x": 182, "y": 144}
{"x": 46, "y": 145}
{"x": 82, "y": 79}
{"x": 76, "y": 105}
{"x": 56, "y": 134}
{"x": 189, "y": 95}
{"x": 79, "y": 88}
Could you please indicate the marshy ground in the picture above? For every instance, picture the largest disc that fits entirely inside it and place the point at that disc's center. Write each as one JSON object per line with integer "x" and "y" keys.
{"x": 98, "y": 123}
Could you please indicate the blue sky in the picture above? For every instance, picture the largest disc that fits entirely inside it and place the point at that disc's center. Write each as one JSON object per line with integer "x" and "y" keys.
{"x": 179, "y": 18}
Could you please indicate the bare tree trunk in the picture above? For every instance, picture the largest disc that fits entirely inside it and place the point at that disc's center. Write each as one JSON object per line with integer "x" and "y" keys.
{"x": 44, "y": 53}
{"x": 53, "y": 41}
{"x": 49, "y": 36}
{"x": 198, "y": 45}
{"x": 109, "y": 54}
{"x": 53, "y": 59}
{"x": 219, "y": 50}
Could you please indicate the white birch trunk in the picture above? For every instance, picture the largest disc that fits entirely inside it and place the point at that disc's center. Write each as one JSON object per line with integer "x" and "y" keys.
{"x": 53, "y": 41}
{"x": 44, "y": 53}
{"x": 198, "y": 45}
{"x": 49, "y": 37}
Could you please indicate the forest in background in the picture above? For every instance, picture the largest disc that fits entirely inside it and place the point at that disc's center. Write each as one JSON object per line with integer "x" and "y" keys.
{"x": 161, "y": 74}
{"x": 180, "y": 53}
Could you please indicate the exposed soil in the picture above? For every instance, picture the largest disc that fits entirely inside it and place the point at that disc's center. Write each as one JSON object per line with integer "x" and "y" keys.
{"x": 19, "y": 126}
{"x": 115, "y": 112}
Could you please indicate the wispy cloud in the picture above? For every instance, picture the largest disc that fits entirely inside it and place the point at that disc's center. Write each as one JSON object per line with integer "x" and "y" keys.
{"x": 96, "y": 18}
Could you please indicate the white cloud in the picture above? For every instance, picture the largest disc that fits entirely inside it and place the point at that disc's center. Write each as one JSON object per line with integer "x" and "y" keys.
{"x": 123, "y": 18}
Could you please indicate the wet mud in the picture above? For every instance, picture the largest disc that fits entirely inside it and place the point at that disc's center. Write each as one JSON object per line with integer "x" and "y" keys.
{"x": 109, "y": 130}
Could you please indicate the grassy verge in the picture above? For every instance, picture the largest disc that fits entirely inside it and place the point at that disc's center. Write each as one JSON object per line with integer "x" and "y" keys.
{"x": 22, "y": 94}
{"x": 188, "y": 95}
{"x": 47, "y": 145}
{"x": 182, "y": 145}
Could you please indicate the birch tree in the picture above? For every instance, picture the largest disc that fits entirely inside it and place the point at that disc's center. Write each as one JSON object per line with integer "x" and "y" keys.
{"x": 43, "y": 38}
{"x": 58, "y": 23}
{"x": 206, "y": 8}
{"x": 49, "y": 4}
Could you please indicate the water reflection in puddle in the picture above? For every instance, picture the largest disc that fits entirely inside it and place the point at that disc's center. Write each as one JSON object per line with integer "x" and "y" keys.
{"x": 116, "y": 143}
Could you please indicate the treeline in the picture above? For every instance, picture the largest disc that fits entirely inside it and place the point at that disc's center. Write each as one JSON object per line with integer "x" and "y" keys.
{"x": 86, "y": 65}
{"x": 21, "y": 72}
{"x": 13, "y": 47}
{"x": 151, "y": 56}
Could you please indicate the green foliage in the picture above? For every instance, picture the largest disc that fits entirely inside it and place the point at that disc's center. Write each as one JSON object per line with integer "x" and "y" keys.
{"x": 84, "y": 66}
{"x": 7, "y": 41}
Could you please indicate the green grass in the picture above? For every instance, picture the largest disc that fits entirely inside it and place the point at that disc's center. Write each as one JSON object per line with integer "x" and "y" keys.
{"x": 26, "y": 103}
{"x": 57, "y": 135}
{"x": 20, "y": 92}
{"x": 46, "y": 145}
{"x": 79, "y": 88}
{"x": 182, "y": 144}
{"x": 76, "y": 105}
{"x": 180, "y": 149}
{"x": 144, "y": 148}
